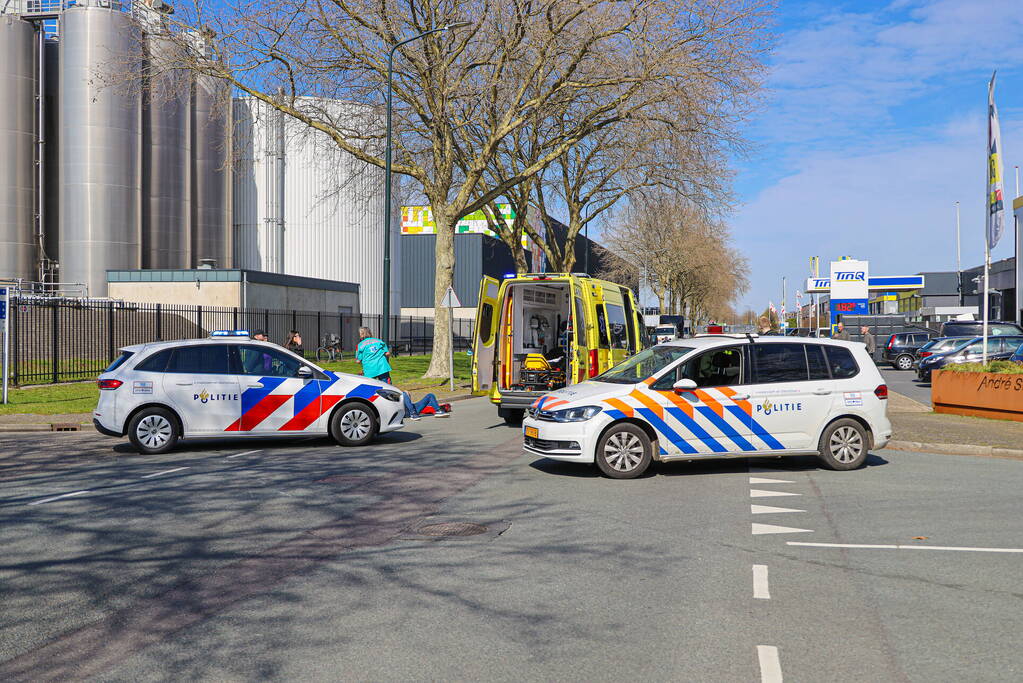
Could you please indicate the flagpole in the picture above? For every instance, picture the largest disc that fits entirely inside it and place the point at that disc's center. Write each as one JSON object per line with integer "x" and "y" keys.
{"x": 1019, "y": 261}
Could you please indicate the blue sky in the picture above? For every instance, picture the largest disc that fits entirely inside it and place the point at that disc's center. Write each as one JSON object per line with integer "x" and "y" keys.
{"x": 875, "y": 124}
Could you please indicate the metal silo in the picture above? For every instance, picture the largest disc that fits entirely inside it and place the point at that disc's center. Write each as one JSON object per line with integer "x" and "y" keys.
{"x": 166, "y": 167}
{"x": 211, "y": 172}
{"x": 100, "y": 142}
{"x": 17, "y": 156}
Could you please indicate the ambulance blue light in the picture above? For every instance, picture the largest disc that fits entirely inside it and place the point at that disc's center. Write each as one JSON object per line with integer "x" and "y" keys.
{"x": 230, "y": 333}
{"x": 509, "y": 275}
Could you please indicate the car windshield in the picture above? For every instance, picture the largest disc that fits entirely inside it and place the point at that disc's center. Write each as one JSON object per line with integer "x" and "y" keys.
{"x": 932, "y": 343}
{"x": 643, "y": 365}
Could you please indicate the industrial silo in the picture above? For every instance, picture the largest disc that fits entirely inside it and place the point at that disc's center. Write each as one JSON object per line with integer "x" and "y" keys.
{"x": 100, "y": 144}
{"x": 211, "y": 173}
{"x": 166, "y": 167}
{"x": 18, "y": 66}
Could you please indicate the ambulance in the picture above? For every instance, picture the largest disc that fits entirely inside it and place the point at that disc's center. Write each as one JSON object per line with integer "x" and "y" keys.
{"x": 540, "y": 332}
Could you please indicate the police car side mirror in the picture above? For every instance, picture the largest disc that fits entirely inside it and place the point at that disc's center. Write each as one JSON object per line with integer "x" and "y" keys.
{"x": 304, "y": 371}
{"x": 683, "y": 385}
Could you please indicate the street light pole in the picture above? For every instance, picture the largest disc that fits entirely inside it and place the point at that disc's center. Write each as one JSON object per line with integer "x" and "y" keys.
{"x": 385, "y": 323}
{"x": 959, "y": 270}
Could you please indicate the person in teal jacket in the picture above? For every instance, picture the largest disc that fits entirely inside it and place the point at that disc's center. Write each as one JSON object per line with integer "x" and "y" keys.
{"x": 372, "y": 354}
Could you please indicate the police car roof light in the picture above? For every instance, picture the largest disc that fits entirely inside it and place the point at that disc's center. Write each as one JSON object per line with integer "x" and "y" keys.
{"x": 731, "y": 335}
{"x": 230, "y": 333}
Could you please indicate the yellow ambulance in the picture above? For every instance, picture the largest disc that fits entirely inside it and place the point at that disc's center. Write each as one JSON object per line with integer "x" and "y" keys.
{"x": 542, "y": 331}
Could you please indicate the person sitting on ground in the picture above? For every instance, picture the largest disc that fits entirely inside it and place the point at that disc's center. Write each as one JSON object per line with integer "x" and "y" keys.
{"x": 427, "y": 405}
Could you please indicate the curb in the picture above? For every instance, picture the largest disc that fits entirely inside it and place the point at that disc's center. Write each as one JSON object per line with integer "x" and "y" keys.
{"x": 956, "y": 449}
{"x": 49, "y": 427}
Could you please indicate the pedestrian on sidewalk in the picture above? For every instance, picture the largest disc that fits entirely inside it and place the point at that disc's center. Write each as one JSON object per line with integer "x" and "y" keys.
{"x": 416, "y": 409}
{"x": 842, "y": 333}
{"x": 869, "y": 341}
{"x": 372, "y": 354}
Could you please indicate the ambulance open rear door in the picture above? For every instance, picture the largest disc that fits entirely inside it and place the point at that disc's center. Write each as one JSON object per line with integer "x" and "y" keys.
{"x": 484, "y": 341}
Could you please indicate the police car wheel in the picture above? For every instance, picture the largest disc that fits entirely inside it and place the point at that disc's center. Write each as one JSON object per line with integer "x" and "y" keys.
{"x": 354, "y": 425}
{"x": 904, "y": 362}
{"x": 153, "y": 431}
{"x": 623, "y": 452}
{"x": 843, "y": 445}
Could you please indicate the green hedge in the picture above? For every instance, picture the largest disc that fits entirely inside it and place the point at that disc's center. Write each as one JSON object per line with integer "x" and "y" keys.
{"x": 1004, "y": 367}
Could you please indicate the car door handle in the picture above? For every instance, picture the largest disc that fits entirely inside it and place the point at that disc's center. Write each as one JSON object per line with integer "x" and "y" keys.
{"x": 821, "y": 392}
{"x": 257, "y": 385}
{"x": 184, "y": 384}
{"x": 740, "y": 397}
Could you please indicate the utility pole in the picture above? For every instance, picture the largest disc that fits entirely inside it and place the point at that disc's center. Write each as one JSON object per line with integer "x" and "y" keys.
{"x": 959, "y": 270}
{"x": 1019, "y": 260}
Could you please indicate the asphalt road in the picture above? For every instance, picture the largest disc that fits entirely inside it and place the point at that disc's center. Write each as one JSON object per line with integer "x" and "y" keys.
{"x": 906, "y": 383}
{"x": 304, "y": 561}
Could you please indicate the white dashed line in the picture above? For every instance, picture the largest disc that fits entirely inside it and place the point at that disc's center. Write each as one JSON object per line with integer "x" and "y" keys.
{"x": 770, "y": 664}
{"x": 761, "y": 591}
{"x": 63, "y": 495}
{"x": 758, "y": 493}
{"x": 764, "y": 480}
{"x": 759, "y": 529}
{"x": 767, "y": 509}
{"x": 238, "y": 455}
{"x": 909, "y": 547}
{"x": 157, "y": 474}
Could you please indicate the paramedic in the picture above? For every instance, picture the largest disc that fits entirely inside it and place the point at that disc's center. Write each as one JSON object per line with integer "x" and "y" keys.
{"x": 372, "y": 354}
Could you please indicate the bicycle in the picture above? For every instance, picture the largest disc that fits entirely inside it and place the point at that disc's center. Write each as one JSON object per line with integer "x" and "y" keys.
{"x": 329, "y": 349}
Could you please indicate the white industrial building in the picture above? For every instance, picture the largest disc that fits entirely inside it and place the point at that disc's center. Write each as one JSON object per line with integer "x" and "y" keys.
{"x": 333, "y": 205}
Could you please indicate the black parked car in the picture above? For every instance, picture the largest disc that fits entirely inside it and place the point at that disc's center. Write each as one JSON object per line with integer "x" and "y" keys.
{"x": 975, "y": 328}
{"x": 900, "y": 349}
{"x": 998, "y": 348}
{"x": 940, "y": 345}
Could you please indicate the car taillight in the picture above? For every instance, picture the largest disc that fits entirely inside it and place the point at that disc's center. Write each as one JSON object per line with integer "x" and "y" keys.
{"x": 594, "y": 363}
{"x": 881, "y": 392}
{"x": 891, "y": 341}
{"x": 924, "y": 354}
{"x": 109, "y": 383}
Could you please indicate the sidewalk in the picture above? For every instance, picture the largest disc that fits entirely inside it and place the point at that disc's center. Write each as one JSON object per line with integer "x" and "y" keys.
{"x": 916, "y": 428}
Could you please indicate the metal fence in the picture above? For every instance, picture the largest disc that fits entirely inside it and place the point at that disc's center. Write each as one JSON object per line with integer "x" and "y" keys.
{"x": 62, "y": 340}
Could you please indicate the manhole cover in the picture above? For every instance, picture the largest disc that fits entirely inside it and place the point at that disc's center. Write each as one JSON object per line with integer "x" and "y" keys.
{"x": 451, "y": 529}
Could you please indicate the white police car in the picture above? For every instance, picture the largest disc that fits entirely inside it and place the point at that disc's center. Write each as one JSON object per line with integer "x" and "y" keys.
{"x": 229, "y": 386}
{"x": 718, "y": 396}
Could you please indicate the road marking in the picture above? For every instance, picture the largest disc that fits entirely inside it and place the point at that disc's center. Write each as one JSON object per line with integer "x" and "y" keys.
{"x": 63, "y": 495}
{"x": 759, "y": 529}
{"x": 767, "y": 509}
{"x": 762, "y": 480}
{"x": 869, "y": 546}
{"x": 758, "y": 493}
{"x": 157, "y": 474}
{"x": 238, "y": 455}
{"x": 770, "y": 664}
{"x": 760, "y": 588}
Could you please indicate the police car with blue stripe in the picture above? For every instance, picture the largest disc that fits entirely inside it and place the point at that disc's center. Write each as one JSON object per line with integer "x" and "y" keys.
{"x": 232, "y": 386}
{"x": 718, "y": 396}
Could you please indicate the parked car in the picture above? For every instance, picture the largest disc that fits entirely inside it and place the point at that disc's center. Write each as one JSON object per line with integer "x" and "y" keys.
{"x": 1017, "y": 356}
{"x": 998, "y": 348}
{"x": 900, "y": 350}
{"x": 975, "y": 328}
{"x": 939, "y": 345}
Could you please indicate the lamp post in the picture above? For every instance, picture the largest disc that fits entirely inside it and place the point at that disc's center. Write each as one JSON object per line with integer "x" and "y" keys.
{"x": 385, "y": 324}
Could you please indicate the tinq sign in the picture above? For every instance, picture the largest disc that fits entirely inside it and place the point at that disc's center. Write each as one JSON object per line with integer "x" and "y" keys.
{"x": 849, "y": 287}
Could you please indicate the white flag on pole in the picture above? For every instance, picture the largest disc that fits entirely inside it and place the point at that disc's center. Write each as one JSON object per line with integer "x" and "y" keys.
{"x": 995, "y": 201}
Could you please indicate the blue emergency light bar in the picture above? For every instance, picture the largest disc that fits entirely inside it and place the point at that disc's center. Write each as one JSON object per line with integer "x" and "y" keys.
{"x": 230, "y": 333}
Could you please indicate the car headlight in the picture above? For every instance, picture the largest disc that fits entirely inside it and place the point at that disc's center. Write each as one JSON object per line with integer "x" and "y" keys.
{"x": 389, "y": 394}
{"x": 580, "y": 414}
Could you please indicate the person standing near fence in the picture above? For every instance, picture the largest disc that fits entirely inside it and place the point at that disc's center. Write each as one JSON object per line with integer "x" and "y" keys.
{"x": 869, "y": 341}
{"x": 372, "y": 354}
{"x": 294, "y": 343}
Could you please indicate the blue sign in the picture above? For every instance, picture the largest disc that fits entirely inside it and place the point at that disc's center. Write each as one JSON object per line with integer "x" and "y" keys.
{"x": 3, "y": 303}
{"x": 849, "y": 307}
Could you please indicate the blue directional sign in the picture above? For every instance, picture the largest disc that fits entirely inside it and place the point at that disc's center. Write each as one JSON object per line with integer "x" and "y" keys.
{"x": 3, "y": 303}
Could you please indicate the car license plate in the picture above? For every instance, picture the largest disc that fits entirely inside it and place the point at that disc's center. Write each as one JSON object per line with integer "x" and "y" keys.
{"x": 532, "y": 432}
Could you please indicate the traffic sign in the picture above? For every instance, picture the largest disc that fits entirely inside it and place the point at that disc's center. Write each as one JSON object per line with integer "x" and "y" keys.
{"x": 450, "y": 299}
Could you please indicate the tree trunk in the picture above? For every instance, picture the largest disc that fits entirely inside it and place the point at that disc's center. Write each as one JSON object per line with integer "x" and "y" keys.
{"x": 445, "y": 271}
{"x": 519, "y": 254}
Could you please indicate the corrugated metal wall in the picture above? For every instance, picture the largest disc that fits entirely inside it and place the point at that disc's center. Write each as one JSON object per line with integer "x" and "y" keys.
{"x": 333, "y": 207}
{"x": 418, "y": 268}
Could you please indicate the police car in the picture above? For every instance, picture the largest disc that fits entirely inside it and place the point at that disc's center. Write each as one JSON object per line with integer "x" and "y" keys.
{"x": 230, "y": 386}
{"x": 718, "y": 396}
